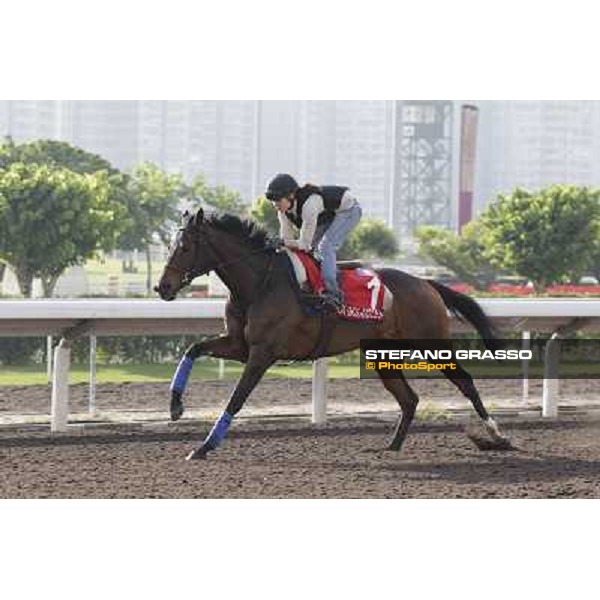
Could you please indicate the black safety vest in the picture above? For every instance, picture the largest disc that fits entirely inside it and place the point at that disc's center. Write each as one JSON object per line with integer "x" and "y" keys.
{"x": 332, "y": 197}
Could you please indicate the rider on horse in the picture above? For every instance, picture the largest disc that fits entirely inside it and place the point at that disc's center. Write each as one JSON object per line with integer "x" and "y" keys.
{"x": 324, "y": 215}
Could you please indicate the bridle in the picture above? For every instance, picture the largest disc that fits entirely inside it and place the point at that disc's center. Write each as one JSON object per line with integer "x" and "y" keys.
{"x": 200, "y": 241}
{"x": 188, "y": 275}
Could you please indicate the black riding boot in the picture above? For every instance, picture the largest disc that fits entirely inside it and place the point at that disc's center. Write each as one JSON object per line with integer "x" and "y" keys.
{"x": 332, "y": 300}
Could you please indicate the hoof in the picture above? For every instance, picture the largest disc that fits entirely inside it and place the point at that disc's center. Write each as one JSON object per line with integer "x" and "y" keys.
{"x": 502, "y": 444}
{"x": 197, "y": 454}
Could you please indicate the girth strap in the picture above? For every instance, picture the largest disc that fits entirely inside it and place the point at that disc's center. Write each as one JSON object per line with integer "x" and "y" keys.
{"x": 328, "y": 322}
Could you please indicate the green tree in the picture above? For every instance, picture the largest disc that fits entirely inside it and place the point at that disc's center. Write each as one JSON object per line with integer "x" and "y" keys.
{"x": 594, "y": 267}
{"x": 371, "y": 238}
{"x": 547, "y": 236}
{"x": 53, "y": 219}
{"x": 462, "y": 254}
{"x": 61, "y": 154}
{"x": 265, "y": 214}
{"x": 2, "y": 211}
{"x": 152, "y": 196}
{"x": 220, "y": 198}
{"x": 53, "y": 153}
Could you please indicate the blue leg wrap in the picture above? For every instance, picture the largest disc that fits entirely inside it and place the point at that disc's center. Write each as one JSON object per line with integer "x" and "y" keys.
{"x": 218, "y": 432}
{"x": 180, "y": 379}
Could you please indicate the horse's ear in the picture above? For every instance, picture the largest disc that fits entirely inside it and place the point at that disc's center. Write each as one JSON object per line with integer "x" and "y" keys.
{"x": 199, "y": 217}
{"x": 185, "y": 217}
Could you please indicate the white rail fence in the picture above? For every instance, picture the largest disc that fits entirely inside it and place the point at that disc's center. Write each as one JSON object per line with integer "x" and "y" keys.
{"x": 69, "y": 319}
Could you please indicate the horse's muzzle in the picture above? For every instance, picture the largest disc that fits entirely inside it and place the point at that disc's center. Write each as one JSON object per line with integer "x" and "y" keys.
{"x": 165, "y": 291}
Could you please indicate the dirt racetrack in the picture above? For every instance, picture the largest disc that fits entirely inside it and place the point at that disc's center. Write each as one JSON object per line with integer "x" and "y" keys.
{"x": 284, "y": 456}
{"x": 291, "y": 459}
{"x": 289, "y": 397}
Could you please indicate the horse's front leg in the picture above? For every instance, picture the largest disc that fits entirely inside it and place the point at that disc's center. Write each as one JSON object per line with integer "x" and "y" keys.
{"x": 259, "y": 360}
{"x": 226, "y": 347}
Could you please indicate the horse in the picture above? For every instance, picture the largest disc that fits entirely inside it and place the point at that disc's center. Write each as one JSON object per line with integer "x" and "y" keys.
{"x": 265, "y": 322}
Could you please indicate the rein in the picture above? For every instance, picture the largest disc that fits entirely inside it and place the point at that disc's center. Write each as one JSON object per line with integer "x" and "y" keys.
{"x": 328, "y": 322}
{"x": 190, "y": 275}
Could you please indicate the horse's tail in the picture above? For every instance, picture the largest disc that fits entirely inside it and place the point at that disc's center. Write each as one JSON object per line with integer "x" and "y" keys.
{"x": 461, "y": 305}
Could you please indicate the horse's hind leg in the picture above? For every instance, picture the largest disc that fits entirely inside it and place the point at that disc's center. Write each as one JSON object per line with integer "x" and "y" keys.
{"x": 408, "y": 400}
{"x": 464, "y": 382}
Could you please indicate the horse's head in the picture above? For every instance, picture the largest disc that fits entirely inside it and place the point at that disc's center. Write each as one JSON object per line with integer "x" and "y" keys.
{"x": 190, "y": 256}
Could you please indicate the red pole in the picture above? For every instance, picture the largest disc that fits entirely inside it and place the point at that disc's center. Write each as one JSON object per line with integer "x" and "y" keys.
{"x": 468, "y": 149}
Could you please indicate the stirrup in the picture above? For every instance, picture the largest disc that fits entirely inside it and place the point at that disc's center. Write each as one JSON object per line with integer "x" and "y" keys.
{"x": 331, "y": 300}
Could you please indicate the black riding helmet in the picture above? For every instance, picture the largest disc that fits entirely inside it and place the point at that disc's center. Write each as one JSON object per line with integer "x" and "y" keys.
{"x": 280, "y": 186}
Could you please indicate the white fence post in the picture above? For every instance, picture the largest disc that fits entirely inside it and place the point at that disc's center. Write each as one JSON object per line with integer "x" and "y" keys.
{"x": 92, "y": 398}
{"x": 526, "y": 341}
{"x": 49, "y": 357}
{"x": 550, "y": 387}
{"x": 60, "y": 387}
{"x": 319, "y": 391}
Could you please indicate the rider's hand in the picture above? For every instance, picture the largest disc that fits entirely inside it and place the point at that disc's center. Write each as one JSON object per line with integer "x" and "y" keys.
{"x": 292, "y": 245}
{"x": 276, "y": 244}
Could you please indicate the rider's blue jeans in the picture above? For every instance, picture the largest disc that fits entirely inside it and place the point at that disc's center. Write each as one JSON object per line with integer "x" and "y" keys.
{"x": 328, "y": 241}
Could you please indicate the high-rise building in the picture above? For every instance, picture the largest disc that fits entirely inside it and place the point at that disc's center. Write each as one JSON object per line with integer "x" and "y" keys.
{"x": 533, "y": 144}
{"x": 330, "y": 142}
{"x": 278, "y": 146}
{"x": 29, "y": 119}
{"x": 399, "y": 157}
{"x": 362, "y": 149}
{"x": 317, "y": 138}
{"x": 212, "y": 138}
{"x": 108, "y": 128}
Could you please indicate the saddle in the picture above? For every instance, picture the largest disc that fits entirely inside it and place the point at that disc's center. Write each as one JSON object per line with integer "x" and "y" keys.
{"x": 363, "y": 290}
{"x": 352, "y": 264}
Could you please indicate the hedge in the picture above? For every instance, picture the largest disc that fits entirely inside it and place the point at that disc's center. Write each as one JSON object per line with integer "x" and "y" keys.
{"x": 110, "y": 350}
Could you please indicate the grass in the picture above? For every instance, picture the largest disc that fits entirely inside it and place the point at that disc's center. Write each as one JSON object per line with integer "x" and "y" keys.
{"x": 208, "y": 369}
{"x": 36, "y": 374}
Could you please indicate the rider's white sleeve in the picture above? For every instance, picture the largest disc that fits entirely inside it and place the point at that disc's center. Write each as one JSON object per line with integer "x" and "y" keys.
{"x": 311, "y": 210}
{"x": 286, "y": 231}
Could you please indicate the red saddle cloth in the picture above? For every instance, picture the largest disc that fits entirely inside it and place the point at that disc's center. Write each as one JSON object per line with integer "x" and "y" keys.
{"x": 362, "y": 288}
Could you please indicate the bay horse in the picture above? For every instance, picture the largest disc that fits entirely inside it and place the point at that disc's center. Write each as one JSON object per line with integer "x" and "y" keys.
{"x": 265, "y": 322}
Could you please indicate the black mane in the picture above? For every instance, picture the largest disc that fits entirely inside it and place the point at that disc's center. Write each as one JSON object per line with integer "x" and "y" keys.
{"x": 244, "y": 229}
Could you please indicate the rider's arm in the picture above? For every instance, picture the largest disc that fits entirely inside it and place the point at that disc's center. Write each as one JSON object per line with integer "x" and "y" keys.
{"x": 311, "y": 210}
{"x": 286, "y": 232}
